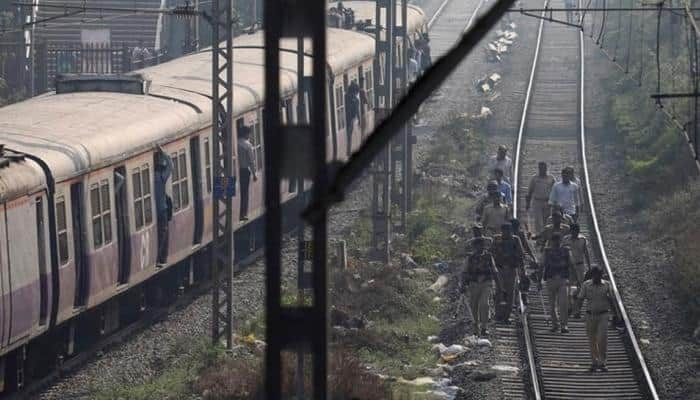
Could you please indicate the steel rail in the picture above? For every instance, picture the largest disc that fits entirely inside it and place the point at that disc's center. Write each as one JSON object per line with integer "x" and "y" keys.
{"x": 527, "y": 334}
{"x": 650, "y": 387}
{"x": 647, "y": 381}
{"x": 437, "y": 14}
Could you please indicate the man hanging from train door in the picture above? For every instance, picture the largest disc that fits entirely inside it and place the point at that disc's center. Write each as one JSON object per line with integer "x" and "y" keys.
{"x": 557, "y": 267}
{"x": 164, "y": 206}
{"x": 246, "y": 168}
{"x": 509, "y": 255}
{"x": 538, "y": 196}
{"x": 598, "y": 293}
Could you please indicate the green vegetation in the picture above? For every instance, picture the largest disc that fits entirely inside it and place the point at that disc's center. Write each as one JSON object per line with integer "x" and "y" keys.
{"x": 657, "y": 161}
{"x": 676, "y": 217}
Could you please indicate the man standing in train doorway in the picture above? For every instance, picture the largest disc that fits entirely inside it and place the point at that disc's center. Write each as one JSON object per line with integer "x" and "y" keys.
{"x": 164, "y": 206}
{"x": 599, "y": 295}
{"x": 557, "y": 264}
{"x": 538, "y": 196}
{"x": 246, "y": 168}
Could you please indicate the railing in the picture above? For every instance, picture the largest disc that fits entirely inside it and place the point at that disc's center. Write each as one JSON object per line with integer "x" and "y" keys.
{"x": 94, "y": 58}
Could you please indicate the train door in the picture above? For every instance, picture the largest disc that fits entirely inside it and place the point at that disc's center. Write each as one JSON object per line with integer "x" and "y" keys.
{"x": 41, "y": 258}
{"x": 121, "y": 202}
{"x": 82, "y": 277}
{"x": 196, "y": 164}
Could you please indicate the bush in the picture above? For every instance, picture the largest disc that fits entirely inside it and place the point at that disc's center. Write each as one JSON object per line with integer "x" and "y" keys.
{"x": 675, "y": 216}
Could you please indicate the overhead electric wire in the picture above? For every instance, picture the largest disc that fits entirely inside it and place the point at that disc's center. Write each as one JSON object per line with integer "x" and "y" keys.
{"x": 619, "y": 31}
{"x": 642, "y": 48}
{"x": 603, "y": 23}
{"x": 629, "y": 44}
{"x": 658, "y": 53}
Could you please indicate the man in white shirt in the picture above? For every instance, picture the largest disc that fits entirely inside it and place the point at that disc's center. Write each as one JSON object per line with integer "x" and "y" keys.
{"x": 538, "y": 196}
{"x": 565, "y": 194}
{"x": 503, "y": 162}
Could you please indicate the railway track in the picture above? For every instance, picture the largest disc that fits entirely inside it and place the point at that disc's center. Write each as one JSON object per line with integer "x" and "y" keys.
{"x": 552, "y": 129}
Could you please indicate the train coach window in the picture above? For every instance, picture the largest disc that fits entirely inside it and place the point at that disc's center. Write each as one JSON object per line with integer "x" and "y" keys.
{"x": 339, "y": 107}
{"x": 257, "y": 140}
{"x": 369, "y": 88}
{"x": 143, "y": 210}
{"x": 61, "y": 230}
{"x": 181, "y": 198}
{"x": 101, "y": 214}
{"x": 207, "y": 164}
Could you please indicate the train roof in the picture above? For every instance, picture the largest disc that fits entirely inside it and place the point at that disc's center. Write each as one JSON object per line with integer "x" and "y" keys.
{"x": 366, "y": 10}
{"x": 78, "y": 132}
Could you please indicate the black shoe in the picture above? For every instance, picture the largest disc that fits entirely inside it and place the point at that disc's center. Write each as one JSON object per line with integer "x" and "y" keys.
{"x": 553, "y": 329}
{"x": 484, "y": 332}
{"x": 564, "y": 330}
{"x": 603, "y": 368}
{"x": 592, "y": 368}
{"x": 244, "y": 218}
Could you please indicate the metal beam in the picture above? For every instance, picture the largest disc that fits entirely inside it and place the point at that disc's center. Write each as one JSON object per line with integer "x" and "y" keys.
{"x": 222, "y": 247}
{"x": 406, "y": 108}
{"x": 381, "y": 169}
{"x": 402, "y": 155}
{"x": 301, "y": 328}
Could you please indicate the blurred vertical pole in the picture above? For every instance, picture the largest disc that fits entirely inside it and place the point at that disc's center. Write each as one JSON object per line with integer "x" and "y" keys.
{"x": 222, "y": 248}
{"x": 296, "y": 151}
{"x": 196, "y": 25}
{"x": 402, "y": 154}
{"x": 301, "y": 237}
{"x": 381, "y": 167}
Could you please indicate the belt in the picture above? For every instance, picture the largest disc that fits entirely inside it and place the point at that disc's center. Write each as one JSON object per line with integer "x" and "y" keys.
{"x": 597, "y": 313}
{"x": 579, "y": 263}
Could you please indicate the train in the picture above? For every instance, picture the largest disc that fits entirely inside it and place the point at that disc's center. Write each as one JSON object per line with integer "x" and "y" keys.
{"x": 78, "y": 220}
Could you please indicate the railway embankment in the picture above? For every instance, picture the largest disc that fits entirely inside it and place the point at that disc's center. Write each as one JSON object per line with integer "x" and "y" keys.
{"x": 646, "y": 197}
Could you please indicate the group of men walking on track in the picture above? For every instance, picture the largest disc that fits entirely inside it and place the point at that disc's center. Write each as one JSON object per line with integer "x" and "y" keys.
{"x": 501, "y": 246}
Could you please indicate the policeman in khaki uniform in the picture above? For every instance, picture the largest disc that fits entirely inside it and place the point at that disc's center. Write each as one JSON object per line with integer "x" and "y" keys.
{"x": 478, "y": 233}
{"x": 538, "y": 197}
{"x": 557, "y": 267}
{"x": 478, "y": 277}
{"x": 491, "y": 192}
{"x": 509, "y": 256}
{"x": 578, "y": 244}
{"x": 556, "y": 226}
{"x": 495, "y": 215}
{"x": 598, "y": 293}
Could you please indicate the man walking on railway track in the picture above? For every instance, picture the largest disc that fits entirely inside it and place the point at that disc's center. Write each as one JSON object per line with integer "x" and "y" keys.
{"x": 246, "y": 168}
{"x": 503, "y": 162}
{"x": 509, "y": 255}
{"x": 598, "y": 293}
{"x": 491, "y": 191}
{"x": 537, "y": 198}
{"x": 565, "y": 194}
{"x": 503, "y": 186}
{"x": 478, "y": 233}
{"x": 478, "y": 278}
{"x": 557, "y": 266}
{"x": 495, "y": 215}
{"x": 556, "y": 227}
{"x": 578, "y": 244}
